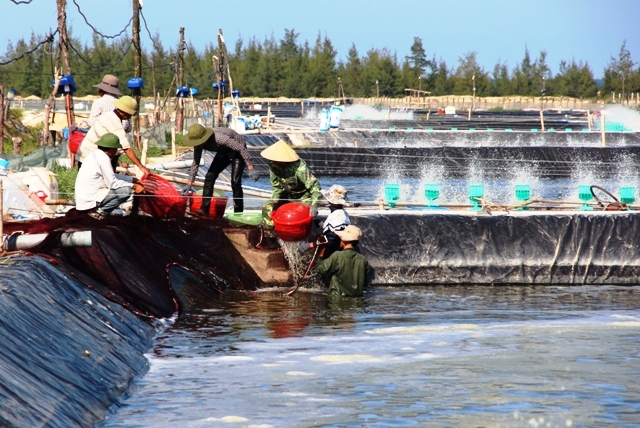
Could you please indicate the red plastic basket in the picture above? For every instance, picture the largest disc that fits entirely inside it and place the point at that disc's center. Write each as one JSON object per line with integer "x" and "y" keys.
{"x": 75, "y": 139}
{"x": 292, "y": 221}
{"x": 216, "y": 209}
{"x": 164, "y": 201}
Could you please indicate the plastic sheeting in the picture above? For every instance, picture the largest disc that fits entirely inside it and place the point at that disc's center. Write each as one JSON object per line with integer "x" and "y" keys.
{"x": 131, "y": 258}
{"x": 67, "y": 352}
{"x": 536, "y": 248}
{"x": 547, "y": 162}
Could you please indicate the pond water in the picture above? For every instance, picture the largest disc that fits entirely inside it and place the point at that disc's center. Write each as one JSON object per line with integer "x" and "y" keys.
{"x": 399, "y": 356}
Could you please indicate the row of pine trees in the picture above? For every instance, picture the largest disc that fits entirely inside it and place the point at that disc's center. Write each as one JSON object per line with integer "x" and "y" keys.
{"x": 291, "y": 68}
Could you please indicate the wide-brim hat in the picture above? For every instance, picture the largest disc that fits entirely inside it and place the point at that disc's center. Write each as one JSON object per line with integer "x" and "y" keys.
{"x": 127, "y": 104}
{"x": 109, "y": 85}
{"x": 350, "y": 233}
{"x": 280, "y": 152}
{"x": 197, "y": 135}
{"x": 336, "y": 195}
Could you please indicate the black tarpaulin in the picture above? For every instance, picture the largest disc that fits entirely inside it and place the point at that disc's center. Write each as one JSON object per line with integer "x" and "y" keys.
{"x": 536, "y": 248}
{"x": 67, "y": 352}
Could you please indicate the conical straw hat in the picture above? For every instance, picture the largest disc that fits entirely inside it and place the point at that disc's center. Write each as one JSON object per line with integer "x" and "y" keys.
{"x": 280, "y": 152}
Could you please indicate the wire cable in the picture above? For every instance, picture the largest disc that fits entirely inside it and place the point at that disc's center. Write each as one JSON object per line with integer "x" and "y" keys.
{"x": 49, "y": 39}
{"x": 94, "y": 28}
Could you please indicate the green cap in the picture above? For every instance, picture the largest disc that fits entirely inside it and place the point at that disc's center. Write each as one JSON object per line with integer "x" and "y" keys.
{"x": 110, "y": 141}
{"x": 197, "y": 135}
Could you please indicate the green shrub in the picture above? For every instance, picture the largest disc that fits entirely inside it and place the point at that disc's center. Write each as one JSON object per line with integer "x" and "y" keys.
{"x": 66, "y": 178}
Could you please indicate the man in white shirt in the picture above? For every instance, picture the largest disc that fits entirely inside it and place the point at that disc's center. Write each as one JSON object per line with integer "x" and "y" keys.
{"x": 98, "y": 189}
{"x": 108, "y": 91}
{"x": 111, "y": 123}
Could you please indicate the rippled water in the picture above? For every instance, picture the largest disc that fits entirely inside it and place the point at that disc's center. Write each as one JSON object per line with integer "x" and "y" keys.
{"x": 401, "y": 356}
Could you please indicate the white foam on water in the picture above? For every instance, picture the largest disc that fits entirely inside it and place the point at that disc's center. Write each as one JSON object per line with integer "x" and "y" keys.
{"x": 624, "y": 115}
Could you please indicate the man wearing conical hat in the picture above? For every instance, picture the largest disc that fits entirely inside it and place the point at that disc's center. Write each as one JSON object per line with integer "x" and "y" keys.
{"x": 291, "y": 180}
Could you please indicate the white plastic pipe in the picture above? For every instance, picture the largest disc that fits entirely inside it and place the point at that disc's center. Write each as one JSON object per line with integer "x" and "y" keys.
{"x": 27, "y": 241}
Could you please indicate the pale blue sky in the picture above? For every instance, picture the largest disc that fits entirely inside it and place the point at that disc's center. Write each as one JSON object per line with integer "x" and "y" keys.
{"x": 498, "y": 30}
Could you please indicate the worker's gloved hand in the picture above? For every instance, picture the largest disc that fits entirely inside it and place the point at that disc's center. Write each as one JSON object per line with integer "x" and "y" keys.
{"x": 188, "y": 191}
{"x": 253, "y": 174}
{"x": 313, "y": 210}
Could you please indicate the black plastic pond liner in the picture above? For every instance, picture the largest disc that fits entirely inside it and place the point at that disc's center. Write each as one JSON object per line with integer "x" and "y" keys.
{"x": 494, "y": 162}
{"x": 555, "y": 248}
{"x": 67, "y": 352}
{"x": 75, "y": 322}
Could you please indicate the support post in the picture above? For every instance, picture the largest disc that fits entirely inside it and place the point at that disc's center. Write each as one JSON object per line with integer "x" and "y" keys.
{"x": 542, "y": 120}
{"x": 137, "y": 61}
{"x": 179, "y": 104}
{"x": 602, "y": 129}
{"x": 1, "y": 127}
{"x": 1, "y": 221}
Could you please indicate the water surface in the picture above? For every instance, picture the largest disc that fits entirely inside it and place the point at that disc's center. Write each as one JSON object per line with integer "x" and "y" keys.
{"x": 400, "y": 356}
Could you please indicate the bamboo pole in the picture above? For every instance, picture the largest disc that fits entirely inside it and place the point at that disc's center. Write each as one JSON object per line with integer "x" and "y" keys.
{"x": 602, "y": 129}
{"x": 174, "y": 154}
{"x": 541, "y": 120}
{"x": 1, "y": 120}
{"x": 1, "y": 221}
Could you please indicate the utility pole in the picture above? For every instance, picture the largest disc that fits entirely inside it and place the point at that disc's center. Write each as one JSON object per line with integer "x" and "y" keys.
{"x": 180, "y": 77}
{"x": 137, "y": 61}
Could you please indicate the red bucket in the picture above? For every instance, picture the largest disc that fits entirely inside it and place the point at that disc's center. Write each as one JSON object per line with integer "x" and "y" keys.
{"x": 216, "y": 209}
{"x": 292, "y": 221}
{"x": 164, "y": 201}
{"x": 75, "y": 139}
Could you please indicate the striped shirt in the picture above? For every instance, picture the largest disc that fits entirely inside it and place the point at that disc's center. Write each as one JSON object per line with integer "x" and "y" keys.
{"x": 225, "y": 141}
{"x": 102, "y": 105}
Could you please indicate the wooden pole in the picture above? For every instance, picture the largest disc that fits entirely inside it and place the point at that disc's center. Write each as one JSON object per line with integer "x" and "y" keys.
{"x": 541, "y": 120}
{"x": 156, "y": 95}
{"x": 1, "y": 221}
{"x": 602, "y": 129}
{"x": 269, "y": 117}
{"x": 173, "y": 143}
{"x": 137, "y": 61}
{"x": 179, "y": 106}
{"x": 1, "y": 127}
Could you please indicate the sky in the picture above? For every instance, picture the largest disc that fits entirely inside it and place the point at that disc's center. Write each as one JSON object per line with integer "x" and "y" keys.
{"x": 589, "y": 31}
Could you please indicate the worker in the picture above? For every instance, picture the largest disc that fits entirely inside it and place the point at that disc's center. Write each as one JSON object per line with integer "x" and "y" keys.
{"x": 107, "y": 91}
{"x": 337, "y": 220}
{"x": 291, "y": 181}
{"x": 347, "y": 270}
{"x": 111, "y": 123}
{"x": 98, "y": 189}
{"x": 231, "y": 149}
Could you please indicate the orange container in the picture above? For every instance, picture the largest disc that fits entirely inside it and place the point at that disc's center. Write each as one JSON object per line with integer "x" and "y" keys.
{"x": 216, "y": 209}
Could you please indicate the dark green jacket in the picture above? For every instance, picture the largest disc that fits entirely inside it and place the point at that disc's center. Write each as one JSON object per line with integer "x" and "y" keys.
{"x": 348, "y": 270}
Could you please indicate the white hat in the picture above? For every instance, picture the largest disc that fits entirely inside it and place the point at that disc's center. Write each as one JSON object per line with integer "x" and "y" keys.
{"x": 336, "y": 195}
{"x": 350, "y": 233}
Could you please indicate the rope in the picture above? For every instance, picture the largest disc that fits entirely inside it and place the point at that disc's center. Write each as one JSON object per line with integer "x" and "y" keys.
{"x": 105, "y": 67}
{"x": 94, "y": 28}
{"x": 49, "y": 39}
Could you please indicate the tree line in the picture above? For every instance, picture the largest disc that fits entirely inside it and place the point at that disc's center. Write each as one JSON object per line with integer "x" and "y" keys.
{"x": 288, "y": 67}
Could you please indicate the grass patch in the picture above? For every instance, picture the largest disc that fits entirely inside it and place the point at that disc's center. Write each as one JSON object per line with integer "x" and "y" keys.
{"x": 66, "y": 178}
